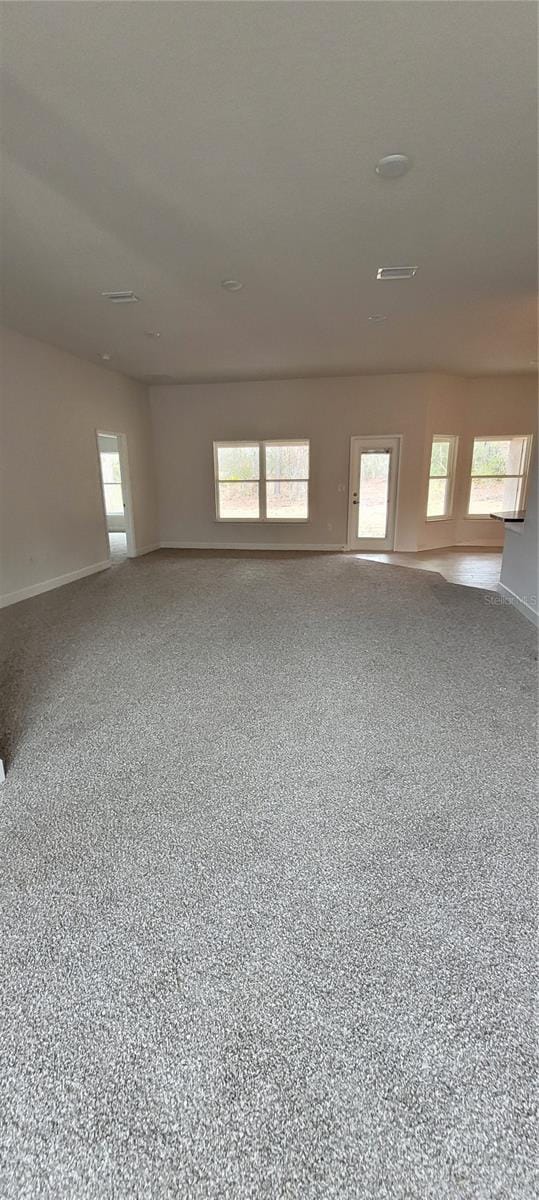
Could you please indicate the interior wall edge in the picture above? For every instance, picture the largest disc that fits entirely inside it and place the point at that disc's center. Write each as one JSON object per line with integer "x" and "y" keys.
{"x": 53, "y": 405}
{"x": 532, "y": 614}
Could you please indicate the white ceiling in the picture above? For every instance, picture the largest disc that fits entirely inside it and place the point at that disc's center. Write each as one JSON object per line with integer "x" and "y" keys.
{"x": 164, "y": 147}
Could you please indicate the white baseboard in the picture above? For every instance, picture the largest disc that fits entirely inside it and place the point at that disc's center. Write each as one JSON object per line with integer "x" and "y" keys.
{"x": 250, "y": 546}
{"x": 146, "y": 550}
{"x": 47, "y": 585}
{"x": 522, "y": 605}
{"x": 481, "y": 542}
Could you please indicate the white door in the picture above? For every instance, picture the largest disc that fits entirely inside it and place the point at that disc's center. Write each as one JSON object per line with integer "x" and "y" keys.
{"x": 374, "y": 471}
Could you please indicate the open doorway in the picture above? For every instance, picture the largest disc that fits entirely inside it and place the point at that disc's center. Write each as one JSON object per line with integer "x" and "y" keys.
{"x": 114, "y": 469}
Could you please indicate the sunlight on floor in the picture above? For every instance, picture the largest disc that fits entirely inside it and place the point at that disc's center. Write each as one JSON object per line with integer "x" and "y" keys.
{"x": 118, "y": 546}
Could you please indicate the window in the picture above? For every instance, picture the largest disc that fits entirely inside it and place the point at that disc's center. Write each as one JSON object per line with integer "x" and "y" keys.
{"x": 238, "y": 482}
{"x": 112, "y": 482}
{"x": 441, "y": 475}
{"x": 262, "y": 481}
{"x": 498, "y": 475}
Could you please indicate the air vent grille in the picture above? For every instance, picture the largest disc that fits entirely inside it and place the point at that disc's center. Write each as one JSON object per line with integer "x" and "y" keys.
{"x": 396, "y": 272}
{"x": 120, "y": 297}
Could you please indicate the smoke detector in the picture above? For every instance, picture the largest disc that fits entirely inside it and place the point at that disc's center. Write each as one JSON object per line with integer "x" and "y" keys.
{"x": 392, "y": 166}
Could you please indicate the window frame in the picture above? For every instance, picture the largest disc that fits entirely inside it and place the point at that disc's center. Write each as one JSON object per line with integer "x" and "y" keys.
{"x": 262, "y": 518}
{"x": 524, "y": 476}
{"x": 453, "y": 440}
{"x": 105, "y": 483}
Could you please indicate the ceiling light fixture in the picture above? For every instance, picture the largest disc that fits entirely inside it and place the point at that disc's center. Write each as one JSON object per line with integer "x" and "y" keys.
{"x": 396, "y": 272}
{"x": 152, "y": 333}
{"x": 120, "y": 297}
{"x": 392, "y": 166}
{"x": 377, "y": 319}
{"x": 105, "y": 357}
{"x": 231, "y": 285}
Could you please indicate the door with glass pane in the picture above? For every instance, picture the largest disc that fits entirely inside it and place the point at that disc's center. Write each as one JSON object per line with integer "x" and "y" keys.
{"x": 374, "y": 467}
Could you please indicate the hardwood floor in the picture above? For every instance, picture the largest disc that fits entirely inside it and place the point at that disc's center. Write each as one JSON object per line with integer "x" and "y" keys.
{"x": 471, "y": 566}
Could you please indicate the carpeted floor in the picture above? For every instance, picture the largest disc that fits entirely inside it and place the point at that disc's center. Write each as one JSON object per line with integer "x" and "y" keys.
{"x": 268, "y": 880}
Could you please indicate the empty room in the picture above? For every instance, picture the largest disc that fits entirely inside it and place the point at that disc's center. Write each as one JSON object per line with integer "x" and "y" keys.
{"x": 268, "y": 592}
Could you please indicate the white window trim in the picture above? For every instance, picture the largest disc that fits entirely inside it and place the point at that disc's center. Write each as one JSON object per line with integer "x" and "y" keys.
{"x": 499, "y": 437}
{"x": 453, "y": 440}
{"x": 262, "y": 519}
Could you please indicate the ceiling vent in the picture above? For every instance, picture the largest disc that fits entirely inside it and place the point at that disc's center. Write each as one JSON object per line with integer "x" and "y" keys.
{"x": 396, "y": 272}
{"x": 120, "y": 297}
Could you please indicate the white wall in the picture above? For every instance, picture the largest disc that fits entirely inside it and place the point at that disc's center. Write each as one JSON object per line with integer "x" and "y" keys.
{"x": 51, "y": 508}
{"x": 187, "y": 419}
{"x": 444, "y": 415}
{"x": 519, "y": 564}
{"x": 471, "y": 407}
{"x": 493, "y": 405}
{"x": 51, "y": 511}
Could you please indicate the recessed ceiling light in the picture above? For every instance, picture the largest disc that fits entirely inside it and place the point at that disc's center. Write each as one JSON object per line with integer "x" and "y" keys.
{"x": 231, "y": 285}
{"x": 391, "y": 166}
{"x": 396, "y": 272}
{"x": 105, "y": 357}
{"x": 152, "y": 333}
{"x": 377, "y": 319}
{"x": 120, "y": 297}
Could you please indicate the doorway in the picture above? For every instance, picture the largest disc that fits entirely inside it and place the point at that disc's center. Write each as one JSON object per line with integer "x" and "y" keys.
{"x": 116, "y": 492}
{"x": 374, "y": 472}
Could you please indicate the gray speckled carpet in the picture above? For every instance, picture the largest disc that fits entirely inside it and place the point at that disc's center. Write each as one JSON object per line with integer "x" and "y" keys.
{"x": 268, "y": 885}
